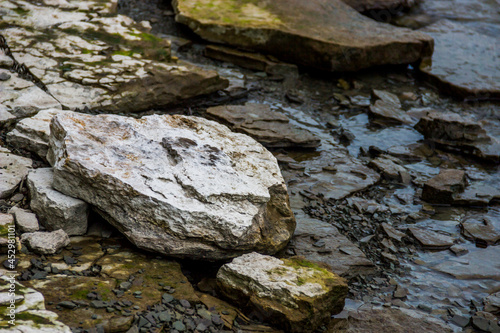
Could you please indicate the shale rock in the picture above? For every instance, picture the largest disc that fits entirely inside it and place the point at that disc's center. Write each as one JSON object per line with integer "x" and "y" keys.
{"x": 293, "y": 293}
{"x": 325, "y": 34}
{"x": 271, "y": 128}
{"x": 182, "y": 186}
{"x": 431, "y": 239}
{"x": 442, "y": 188}
{"x": 462, "y": 133}
{"x": 54, "y": 209}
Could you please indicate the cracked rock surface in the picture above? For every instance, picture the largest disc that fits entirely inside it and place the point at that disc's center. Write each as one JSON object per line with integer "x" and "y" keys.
{"x": 182, "y": 186}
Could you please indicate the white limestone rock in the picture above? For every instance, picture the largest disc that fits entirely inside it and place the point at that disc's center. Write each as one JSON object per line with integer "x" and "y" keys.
{"x": 181, "y": 186}
{"x": 33, "y": 133}
{"x": 293, "y": 293}
{"x": 54, "y": 209}
{"x": 45, "y": 242}
{"x": 26, "y": 221}
{"x": 13, "y": 169}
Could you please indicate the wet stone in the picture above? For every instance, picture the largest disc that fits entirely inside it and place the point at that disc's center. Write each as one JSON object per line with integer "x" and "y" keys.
{"x": 431, "y": 239}
{"x": 471, "y": 71}
{"x": 484, "y": 230}
{"x": 271, "y": 128}
{"x": 443, "y": 187}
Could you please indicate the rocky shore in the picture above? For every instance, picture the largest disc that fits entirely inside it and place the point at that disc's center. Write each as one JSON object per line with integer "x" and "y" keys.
{"x": 228, "y": 166}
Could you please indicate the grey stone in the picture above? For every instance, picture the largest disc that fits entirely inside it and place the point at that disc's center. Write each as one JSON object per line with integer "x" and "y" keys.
{"x": 271, "y": 128}
{"x": 54, "y": 209}
{"x": 26, "y": 221}
{"x": 31, "y": 315}
{"x": 459, "y": 132}
{"x": 46, "y": 242}
{"x": 431, "y": 239}
{"x": 13, "y": 169}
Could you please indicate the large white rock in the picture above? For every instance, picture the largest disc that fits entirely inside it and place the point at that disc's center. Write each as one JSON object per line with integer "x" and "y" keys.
{"x": 54, "y": 209}
{"x": 182, "y": 186}
{"x": 295, "y": 294}
{"x": 33, "y": 133}
{"x": 13, "y": 169}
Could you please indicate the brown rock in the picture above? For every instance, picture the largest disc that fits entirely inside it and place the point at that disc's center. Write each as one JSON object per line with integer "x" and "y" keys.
{"x": 442, "y": 188}
{"x": 270, "y": 128}
{"x": 325, "y": 34}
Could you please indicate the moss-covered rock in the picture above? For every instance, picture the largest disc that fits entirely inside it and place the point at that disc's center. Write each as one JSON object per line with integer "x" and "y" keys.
{"x": 294, "y": 293}
{"x": 325, "y": 34}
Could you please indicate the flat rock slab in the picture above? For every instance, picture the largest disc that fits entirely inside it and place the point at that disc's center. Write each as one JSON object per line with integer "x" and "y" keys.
{"x": 334, "y": 174}
{"x": 13, "y": 169}
{"x": 431, "y": 239}
{"x": 295, "y": 294}
{"x": 387, "y": 113}
{"x": 477, "y": 264}
{"x": 182, "y": 186}
{"x": 319, "y": 241}
{"x": 54, "y": 209}
{"x": 325, "y": 34}
{"x": 465, "y": 63}
{"x": 32, "y": 133}
{"x": 271, "y": 128}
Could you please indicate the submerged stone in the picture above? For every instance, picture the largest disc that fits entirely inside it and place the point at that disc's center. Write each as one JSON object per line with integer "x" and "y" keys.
{"x": 182, "y": 186}
{"x": 465, "y": 63}
{"x": 292, "y": 293}
{"x": 325, "y": 34}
